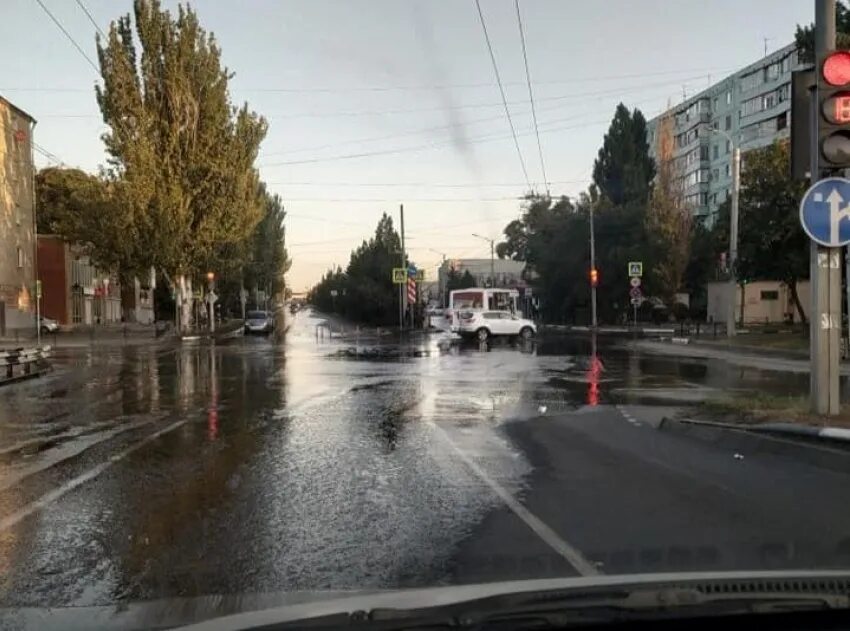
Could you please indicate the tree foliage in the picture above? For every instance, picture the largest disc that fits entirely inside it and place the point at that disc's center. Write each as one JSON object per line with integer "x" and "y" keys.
{"x": 771, "y": 244}
{"x": 365, "y": 291}
{"x": 183, "y": 154}
{"x": 84, "y": 209}
{"x": 668, "y": 222}
{"x": 804, "y": 37}
{"x": 623, "y": 169}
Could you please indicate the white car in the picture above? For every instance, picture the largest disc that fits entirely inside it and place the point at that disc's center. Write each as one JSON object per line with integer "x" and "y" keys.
{"x": 485, "y": 324}
{"x": 48, "y": 325}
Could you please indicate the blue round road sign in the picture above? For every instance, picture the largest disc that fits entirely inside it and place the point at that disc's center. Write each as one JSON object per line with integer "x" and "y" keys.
{"x": 825, "y": 212}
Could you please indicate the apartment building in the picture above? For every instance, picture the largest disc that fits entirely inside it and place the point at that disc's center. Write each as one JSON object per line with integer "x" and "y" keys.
{"x": 17, "y": 220}
{"x": 751, "y": 107}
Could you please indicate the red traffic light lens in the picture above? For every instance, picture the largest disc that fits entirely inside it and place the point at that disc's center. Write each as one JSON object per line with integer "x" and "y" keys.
{"x": 836, "y": 68}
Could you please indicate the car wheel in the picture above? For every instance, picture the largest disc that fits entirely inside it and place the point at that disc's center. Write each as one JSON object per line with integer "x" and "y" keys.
{"x": 526, "y": 333}
{"x": 45, "y": 330}
{"x": 482, "y": 334}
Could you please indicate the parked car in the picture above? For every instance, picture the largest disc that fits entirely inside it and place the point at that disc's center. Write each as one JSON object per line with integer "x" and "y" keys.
{"x": 259, "y": 322}
{"x": 485, "y": 324}
{"x": 48, "y": 325}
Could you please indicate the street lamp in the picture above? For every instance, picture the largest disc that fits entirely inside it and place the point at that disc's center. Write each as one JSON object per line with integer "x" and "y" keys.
{"x": 492, "y": 243}
{"x": 733, "y": 231}
{"x": 440, "y": 277}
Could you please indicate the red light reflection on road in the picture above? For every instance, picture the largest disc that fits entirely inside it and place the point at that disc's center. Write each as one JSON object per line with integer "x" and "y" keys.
{"x": 593, "y": 375}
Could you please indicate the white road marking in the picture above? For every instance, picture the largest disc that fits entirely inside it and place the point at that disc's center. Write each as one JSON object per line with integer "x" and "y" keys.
{"x": 51, "y": 496}
{"x": 568, "y": 552}
{"x": 631, "y": 419}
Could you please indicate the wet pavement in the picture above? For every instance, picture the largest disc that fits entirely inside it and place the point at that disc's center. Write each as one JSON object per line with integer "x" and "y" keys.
{"x": 299, "y": 463}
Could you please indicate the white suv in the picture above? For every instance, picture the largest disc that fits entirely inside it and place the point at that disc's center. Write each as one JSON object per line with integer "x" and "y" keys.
{"x": 484, "y": 324}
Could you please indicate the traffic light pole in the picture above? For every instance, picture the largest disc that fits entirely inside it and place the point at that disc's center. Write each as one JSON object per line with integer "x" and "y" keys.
{"x": 825, "y": 262}
{"x": 592, "y": 267}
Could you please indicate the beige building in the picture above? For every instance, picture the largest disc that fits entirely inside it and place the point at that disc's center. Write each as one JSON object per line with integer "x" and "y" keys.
{"x": 17, "y": 220}
{"x": 764, "y": 301}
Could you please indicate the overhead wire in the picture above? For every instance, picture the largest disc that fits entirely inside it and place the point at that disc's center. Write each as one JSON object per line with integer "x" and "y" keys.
{"x": 502, "y": 91}
{"x": 89, "y": 16}
{"x": 531, "y": 96}
{"x": 68, "y": 35}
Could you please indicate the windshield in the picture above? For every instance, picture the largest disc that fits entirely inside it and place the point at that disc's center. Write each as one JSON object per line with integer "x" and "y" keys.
{"x": 318, "y": 297}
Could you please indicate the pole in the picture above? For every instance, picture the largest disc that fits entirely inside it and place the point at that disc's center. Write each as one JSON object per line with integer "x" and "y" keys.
{"x": 402, "y": 293}
{"x": 733, "y": 240}
{"x": 35, "y": 239}
{"x": 592, "y": 266}
{"x": 825, "y": 263}
{"x": 492, "y": 263}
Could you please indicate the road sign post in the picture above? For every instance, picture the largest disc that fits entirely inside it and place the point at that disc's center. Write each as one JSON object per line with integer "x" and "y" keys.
{"x": 821, "y": 212}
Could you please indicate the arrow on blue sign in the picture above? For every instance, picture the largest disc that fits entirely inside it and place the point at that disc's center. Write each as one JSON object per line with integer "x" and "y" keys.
{"x": 825, "y": 212}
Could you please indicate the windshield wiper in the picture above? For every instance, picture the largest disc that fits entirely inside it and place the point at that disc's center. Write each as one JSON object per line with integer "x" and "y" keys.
{"x": 561, "y": 608}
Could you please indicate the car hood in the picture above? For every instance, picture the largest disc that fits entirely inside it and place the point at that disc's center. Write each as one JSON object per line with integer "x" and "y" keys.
{"x": 255, "y": 610}
{"x": 256, "y": 322}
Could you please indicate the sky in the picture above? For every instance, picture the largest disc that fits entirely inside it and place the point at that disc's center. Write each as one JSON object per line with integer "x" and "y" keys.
{"x": 373, "y": 104}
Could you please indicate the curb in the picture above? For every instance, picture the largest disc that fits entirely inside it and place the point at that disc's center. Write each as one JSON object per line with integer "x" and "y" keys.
{"x": 812, "y": 445}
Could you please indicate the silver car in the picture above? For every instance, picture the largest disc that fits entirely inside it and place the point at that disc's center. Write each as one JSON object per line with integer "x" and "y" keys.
{"x": 259, "y": 322}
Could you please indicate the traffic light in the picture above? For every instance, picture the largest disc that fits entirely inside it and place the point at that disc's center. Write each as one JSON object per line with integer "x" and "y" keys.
{"x": 834, "y": 114}
{"x": 594, "y": 277}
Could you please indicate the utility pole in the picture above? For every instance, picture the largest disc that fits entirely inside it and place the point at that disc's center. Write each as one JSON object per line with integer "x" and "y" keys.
{"x": 442, "y": 283}
{"x": 593, "y": 320}
{"x": 733, "y": 241}
{"x": 492, "y": 243}
{"x": 825, "y": 262}
{"x": 402, "y": 288}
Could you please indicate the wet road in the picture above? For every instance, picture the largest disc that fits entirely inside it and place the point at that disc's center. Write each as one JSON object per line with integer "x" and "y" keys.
{"x": 302, "y": 464}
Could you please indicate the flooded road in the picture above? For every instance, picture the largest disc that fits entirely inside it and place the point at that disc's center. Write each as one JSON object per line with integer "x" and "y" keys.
{"x": 299, "y": 463}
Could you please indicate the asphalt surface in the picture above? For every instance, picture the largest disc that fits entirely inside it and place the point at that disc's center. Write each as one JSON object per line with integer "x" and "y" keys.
{"x": 298, "y": 463}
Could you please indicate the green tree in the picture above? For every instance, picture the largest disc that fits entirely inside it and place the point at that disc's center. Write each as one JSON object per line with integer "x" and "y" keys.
{"x": 182, "y": 152}
{"x": 804, "y": 37}
{"x": 365, "y": 291}
{"x": 84, "y": 209}
{"x": 668, "y": 222}
{"x": 772, "y": 246}
{"x": 623, "y": 169}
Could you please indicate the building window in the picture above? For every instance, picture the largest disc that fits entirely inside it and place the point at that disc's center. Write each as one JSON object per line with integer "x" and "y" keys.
{"x": 715, "y": 175}
{"x": 729, "y": 97}
{"x": 728, "y": 123}
{"x": 728, "y": 147}
{"x": 715, "y": 152}
{"x": 769, "y": 294}
{"x": 714, "y": 103}
{"x": 782, "y": 121}
{"x": 20, "y": 258}
{"x": 728, "y": 172}
{"x": 714, "y": 199}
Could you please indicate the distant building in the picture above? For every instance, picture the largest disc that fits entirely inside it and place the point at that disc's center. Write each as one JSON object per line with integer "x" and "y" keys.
{"x": 752, "y": 106}
{"x": 17, "y": 220}
{"x": 765, "y": 301}
{"x": 74, "y": 290}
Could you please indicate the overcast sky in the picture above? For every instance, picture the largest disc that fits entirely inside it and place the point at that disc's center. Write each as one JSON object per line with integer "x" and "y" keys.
{"x": 409, "y": 84}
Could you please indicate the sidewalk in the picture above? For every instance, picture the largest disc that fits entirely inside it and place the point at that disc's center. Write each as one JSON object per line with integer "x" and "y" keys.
{"x": 129, "y": 334}
{"x": 753, "y": 357}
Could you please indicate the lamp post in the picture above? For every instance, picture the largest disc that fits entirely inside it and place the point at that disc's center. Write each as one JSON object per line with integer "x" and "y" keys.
{"x": 492, "y": 243}
{"x": 210, "y": 301}
{"x": 440, "y": 277}
{"x": 733, "y": 231}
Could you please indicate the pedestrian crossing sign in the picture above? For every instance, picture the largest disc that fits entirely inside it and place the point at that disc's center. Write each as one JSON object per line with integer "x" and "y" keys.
{"x": 399, "y": 275}
{"x": 636, "y": 268}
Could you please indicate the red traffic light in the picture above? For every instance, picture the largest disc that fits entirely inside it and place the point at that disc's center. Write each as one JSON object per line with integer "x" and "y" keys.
{"x": 836, "y": 68}
{"x": 594, "y": 277}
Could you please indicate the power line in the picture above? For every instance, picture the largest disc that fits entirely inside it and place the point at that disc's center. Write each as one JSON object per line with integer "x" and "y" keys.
{"x": 91, "y": 19}
{"x": 531, "y": 97}
{"x": 636, "y": 75}
{"x": 619, "y": 92}
{"x": 418, "y": 184}
{"x": 68, "y": 35}
{"x": 502, "y": 91}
